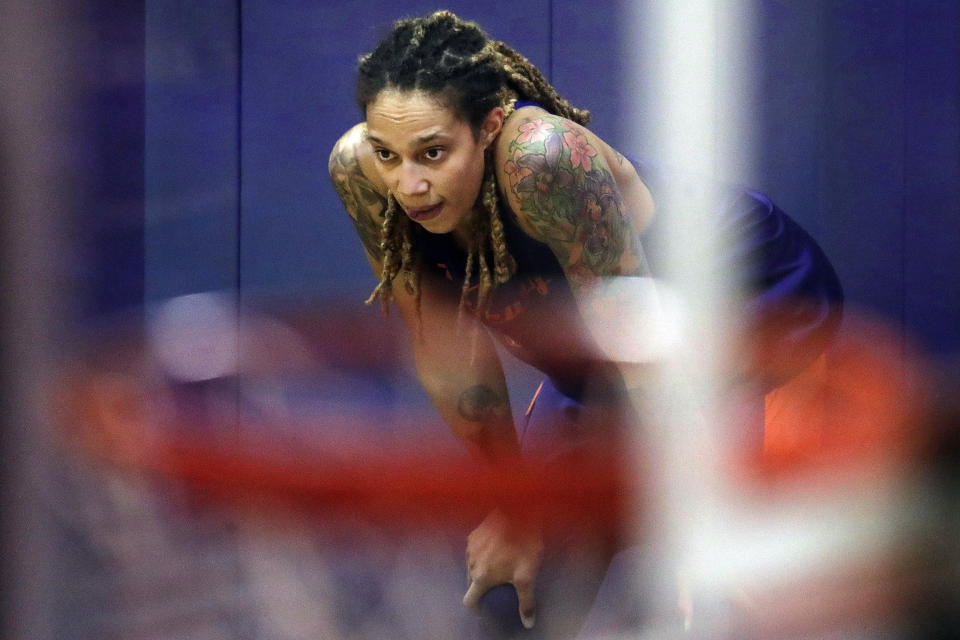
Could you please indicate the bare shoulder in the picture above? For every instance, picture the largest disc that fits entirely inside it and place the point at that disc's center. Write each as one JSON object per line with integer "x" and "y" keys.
{"x": 344, "y": 152}
{"x": 352, "y": 158}
{"x": 564, "y": 184}
{"x": 532, "y": 122}
{"x": 359, "y": 187}
{"x": 542, "y": 152}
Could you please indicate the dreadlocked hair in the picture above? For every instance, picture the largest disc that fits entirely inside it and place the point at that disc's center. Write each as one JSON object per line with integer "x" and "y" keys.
{"x": 454, "y": 61}
{"x": 528, "y": 83}
{"x": 487, "y": 237}
{"x": 396, "y": 244}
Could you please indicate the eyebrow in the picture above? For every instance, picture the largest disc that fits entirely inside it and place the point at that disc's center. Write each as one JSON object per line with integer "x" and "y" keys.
{"x": 430, "y": 137}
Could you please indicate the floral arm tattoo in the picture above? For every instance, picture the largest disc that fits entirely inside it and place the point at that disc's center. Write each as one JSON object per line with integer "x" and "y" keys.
{"x": 568, "y": 198}
{"x": 363, "y": 202}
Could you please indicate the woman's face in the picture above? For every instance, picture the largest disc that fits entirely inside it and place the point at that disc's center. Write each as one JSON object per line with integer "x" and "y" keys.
{"x": 427, "y": 157}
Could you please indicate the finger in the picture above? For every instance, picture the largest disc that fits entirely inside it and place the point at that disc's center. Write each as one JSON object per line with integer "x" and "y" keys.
{"x": 471, "y": 599}
{"x": 528, "y": 609}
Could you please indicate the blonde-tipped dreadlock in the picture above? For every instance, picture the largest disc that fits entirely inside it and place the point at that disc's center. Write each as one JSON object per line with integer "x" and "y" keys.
{"x": 527, "y": 82}
{"x": 398, "y": 255}
{"x": 487, "y": 237}
{"x": 453, "y": 59}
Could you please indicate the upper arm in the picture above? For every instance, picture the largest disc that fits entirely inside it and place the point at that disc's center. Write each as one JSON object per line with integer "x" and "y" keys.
{"x": 360, "y": 190}
{"x": 557, "y": 178}
{"x": 561, "y": 186}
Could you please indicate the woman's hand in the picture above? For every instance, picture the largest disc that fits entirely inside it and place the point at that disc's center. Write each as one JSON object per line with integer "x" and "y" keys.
{"x": 500, "y": 551}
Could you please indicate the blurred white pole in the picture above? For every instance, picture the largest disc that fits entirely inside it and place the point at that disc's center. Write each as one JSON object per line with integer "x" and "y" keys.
{"x": 695, "y": 66}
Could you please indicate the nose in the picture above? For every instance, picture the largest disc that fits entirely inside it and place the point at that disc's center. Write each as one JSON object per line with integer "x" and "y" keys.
{"x": 411, "y": 180}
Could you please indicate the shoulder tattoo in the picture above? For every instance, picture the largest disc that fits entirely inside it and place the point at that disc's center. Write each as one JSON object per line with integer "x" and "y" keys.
{"x": 568, "y": 196}
{"x": 363, "y": 202}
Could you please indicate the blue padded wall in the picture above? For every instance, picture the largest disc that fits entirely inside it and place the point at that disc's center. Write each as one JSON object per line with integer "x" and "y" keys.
{"x": 930, "y": 216}
{"x": 859, "y": 122}
{"x": 191, "y": 147}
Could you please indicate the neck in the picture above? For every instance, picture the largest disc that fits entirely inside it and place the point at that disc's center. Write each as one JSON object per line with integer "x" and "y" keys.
{"x": 463, "y": 234}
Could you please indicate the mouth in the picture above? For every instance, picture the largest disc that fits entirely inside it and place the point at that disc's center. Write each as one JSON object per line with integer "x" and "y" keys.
{"x": 422, "y": 214}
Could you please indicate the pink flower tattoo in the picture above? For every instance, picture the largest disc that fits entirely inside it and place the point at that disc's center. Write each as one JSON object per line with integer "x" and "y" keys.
{"x": 534, "y": 131}
{"x": 580, "y": 150}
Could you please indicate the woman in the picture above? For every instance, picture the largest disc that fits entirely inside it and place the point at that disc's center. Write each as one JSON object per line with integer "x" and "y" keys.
{"x": 482, "y": 201}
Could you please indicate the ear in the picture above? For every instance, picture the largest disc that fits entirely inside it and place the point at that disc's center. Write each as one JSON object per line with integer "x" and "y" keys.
{"x": 491, "y": 126}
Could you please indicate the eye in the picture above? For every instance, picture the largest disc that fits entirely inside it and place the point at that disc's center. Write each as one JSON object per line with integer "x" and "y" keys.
{"x": 434, "y": 153}
{"x": 383, "y": 155}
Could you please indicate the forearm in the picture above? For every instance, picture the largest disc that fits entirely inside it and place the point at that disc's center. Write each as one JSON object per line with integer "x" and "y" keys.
{"x": 475, "y": 404}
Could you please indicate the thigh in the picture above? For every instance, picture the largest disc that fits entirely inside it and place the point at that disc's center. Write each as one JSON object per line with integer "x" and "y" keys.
{"x": 566, "y": 589}
{"x": 553, "y": 424}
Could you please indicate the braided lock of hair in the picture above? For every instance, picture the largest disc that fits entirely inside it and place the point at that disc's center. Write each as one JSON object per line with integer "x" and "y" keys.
{"x": 453, "y": 59}
{"x": 529, "y": 83}
{"x": 398, "y": 255}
